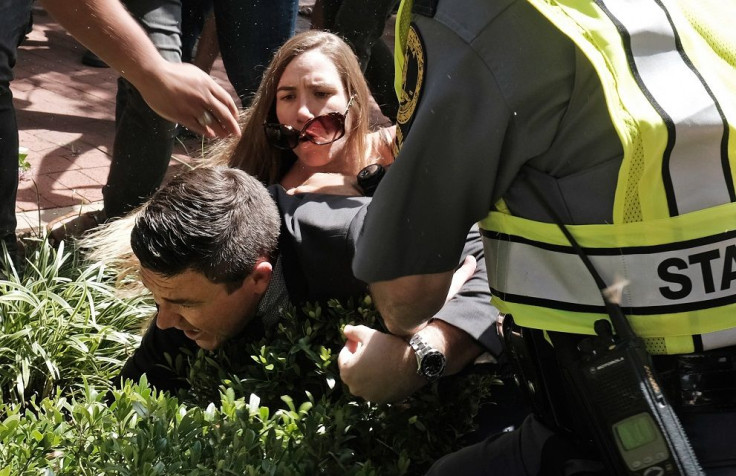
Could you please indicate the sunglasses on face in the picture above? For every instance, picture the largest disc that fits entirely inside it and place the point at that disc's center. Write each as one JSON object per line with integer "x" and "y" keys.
{"x": 321, "y": 130}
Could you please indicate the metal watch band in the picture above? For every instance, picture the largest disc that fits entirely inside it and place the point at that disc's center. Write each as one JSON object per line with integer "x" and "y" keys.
{"x": 422, "y": 350}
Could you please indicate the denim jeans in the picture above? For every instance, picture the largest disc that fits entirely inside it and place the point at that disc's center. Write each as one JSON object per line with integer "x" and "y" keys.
{"x": 249, "y": 31}
{"x": 14, "y": 17}
{"x": 361, "y": 24}
{"x": 143, "y": 139}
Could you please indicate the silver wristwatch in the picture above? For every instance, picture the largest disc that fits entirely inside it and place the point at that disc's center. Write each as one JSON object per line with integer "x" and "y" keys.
{"x": 430, "y": 361}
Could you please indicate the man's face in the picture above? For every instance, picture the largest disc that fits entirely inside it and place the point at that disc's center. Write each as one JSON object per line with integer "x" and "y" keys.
{"x": 204, "y": 310}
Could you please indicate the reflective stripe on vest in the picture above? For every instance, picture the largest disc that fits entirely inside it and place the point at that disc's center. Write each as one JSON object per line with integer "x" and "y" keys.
{"x": 673, "y": 234}
{"x": 677, "y": 285}
{"x": 695, "y": 122}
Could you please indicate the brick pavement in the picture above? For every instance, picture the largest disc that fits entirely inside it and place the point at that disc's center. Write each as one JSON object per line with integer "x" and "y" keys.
{"x": 66, "y": 120}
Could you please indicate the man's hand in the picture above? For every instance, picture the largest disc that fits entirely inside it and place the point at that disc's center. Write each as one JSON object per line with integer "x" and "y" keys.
{"x": 185, "y": 94}
{"x": 378, "y": 367}
{"x": 383, "y": 367}
{"x": 178, "y": 92}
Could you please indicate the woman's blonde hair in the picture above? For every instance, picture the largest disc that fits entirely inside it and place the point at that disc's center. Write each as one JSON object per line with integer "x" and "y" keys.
{"x": 252, "y": 152}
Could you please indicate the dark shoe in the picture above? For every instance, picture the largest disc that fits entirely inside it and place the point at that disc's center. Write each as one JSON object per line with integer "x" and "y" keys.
{"x": 306, "y": 11}
{"x": 91, "y": 59}
{"x": 73, "y": 226}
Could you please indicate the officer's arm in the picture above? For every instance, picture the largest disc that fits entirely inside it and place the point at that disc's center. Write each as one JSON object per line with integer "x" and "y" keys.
{"x": 179, "y": 92}
{"x": 469, "y": 308}
{"x": 407, "y": 303}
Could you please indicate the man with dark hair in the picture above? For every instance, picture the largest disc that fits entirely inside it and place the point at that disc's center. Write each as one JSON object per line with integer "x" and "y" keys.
{"x": 221, "y": 264}
{"x": 200, "y": 264}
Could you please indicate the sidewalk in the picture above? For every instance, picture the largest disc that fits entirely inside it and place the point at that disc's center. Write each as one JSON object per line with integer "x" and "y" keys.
{"x": 66, "y": 119}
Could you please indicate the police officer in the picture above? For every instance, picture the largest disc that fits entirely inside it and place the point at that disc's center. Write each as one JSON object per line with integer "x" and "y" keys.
{"x": 619, "y": 117}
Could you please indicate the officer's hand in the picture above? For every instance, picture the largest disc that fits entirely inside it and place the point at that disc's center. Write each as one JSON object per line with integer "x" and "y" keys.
{"x": 378, "y": 367}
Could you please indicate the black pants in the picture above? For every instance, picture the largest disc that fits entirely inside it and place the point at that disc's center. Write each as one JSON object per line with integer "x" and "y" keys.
{"x": 534, "y": 450}
{"x": 15, "y": 16}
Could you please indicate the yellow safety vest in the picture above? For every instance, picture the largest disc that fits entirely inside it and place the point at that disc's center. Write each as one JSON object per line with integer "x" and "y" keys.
{"x": 668, "y": 71}
{"x": 401, "y": 29}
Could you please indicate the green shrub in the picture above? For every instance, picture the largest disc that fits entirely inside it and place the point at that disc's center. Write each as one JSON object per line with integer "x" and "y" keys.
{"x": 280, "y": 410}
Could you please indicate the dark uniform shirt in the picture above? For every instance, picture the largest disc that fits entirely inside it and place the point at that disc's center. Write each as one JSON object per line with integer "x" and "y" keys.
{"x": 497, "y": 96}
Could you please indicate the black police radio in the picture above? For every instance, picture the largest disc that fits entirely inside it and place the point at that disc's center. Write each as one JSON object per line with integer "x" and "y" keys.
{"x": 614, "y": 381}
{"x": 629, "y": 416}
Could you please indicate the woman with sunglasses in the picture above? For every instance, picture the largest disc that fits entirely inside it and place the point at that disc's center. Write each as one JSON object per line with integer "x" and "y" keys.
{"x": 311, "y": 114}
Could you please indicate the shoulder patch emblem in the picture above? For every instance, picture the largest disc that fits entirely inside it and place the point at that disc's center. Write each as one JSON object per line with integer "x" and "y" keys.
{"x": 412, "y": 80}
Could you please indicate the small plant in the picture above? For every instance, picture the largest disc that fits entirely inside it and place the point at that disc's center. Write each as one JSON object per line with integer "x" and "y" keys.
{"x": 23, "y": 163}
{"x": 61, "y": 324}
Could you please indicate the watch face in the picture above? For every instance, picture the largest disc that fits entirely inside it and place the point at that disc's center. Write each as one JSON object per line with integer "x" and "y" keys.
{"x": 369, "y": 178}
{"x": 369, "y": 171}
{"x": 433, "y": 364}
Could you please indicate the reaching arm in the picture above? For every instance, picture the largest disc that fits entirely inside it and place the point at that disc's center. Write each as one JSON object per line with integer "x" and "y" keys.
{"x": 468, "y": 306}
{"x": 383, "y": 368}
{"x": 407, "y": 304}
{"x": 178, "y": 92}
